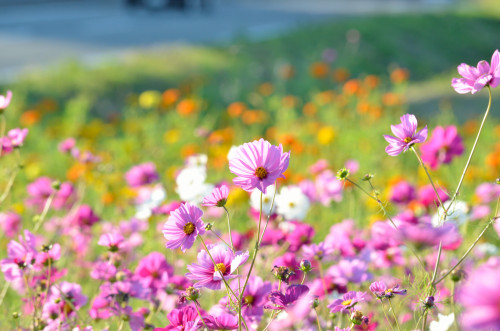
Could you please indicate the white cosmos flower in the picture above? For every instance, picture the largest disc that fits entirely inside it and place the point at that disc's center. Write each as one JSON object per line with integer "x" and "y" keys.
{"x": 191, "y": 186}
{"x": 232, "y": 152}
{"x": 198, "y": 160}
{"x": 459, "y": 213}
{"x": 148, "y": 199}
{"x": 267, "y": 200}
{"x": 443, "y": 323}
{"x": 292, "y": 203}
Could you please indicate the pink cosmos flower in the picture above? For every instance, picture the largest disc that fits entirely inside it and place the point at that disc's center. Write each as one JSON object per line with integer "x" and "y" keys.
{"x": 5, "y": 100}
{"x": 427, "y": 196}
{"x": 142, "y": 174}
{"x": 40, "y": 190}
{"x": 114, "y": 241}
{"x": 406, "y": 135}
{"x": 381, "y": 290}
{"x": 183, "y": 226}
{"x": 10, "y": 223}
{"x": 153, "y": 271}
{"x": 348, "y": 301}
{"x": 480, "y": 297}
{"x": 475, "y": 78}
{"x": 488, "y": 192}
{"x": 184, "y": 319}
{"x": 258, "y": 165}
{"x": 223, "y": 321}
{"x": 280, "y": 301}
{"x": 217, "y": 198}
{"x": 60, "y": 295}
{"x": 349, "y": 271}
{"x": 444, "y": 145}
{"x": 328, "y": 188}
{"x": 84, "y": 217}
{"x": 402, "y": 193}
{"x": 209, "y": 275}
{"x": 67, "y": 145}
{"x": 20, "y": 257}
{"x": 17, "y": 136}
{"x": 254, "y": 297}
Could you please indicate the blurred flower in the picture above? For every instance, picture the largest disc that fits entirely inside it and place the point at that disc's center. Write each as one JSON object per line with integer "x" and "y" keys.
{"x": 292, "y": 294}
{"x": 142, "y": 174}
{"x": 443, "y": 323}
{"x": 292, "y": 204}
{"x": 348, "y": 301}
{"x": 406, "y": 135}
{"x": 217, "y": 198}
{"x": 5, "y": 100}
{"x": 10, "y": 223}
{"x": 475, "y": 78}
{"x": 442, "y": 147}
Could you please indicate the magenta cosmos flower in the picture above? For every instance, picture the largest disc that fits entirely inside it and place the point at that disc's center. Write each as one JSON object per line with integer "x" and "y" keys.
{"x": 442, "y": 147}
{"x": 475, "y": 78}
{"x": 142, "y": 174}
{"x": 348, "y": 301}
{"x": 183, "y": 226}
{"x": 480, "y": 297}
{"x": 281, "y": 301}
{"x": 258, "y": 165}
{"x": 406, "y": 135}
{"x": 209, "y": 275}
{"x": 217, "y": 198}
{"x": 5, "y": 100}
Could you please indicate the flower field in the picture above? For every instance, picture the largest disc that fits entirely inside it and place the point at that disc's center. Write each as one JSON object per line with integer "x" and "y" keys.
{"x": 295, "y": 191}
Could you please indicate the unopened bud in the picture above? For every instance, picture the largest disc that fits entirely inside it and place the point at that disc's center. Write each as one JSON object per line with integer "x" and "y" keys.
{"x": 315, "y": 303}
{"x": 16, "y": 315}
{"x": 429, "y": 302}
{"x": 342, "y": 174}
{"x": 367, "y": 177}
{"x": 120, "y": 276}
{"x": 56, "y": 185}
{"x": 208, "y": 227}
{"x": 192, "y": 293}
{"x": 357, "y": 317}
{"x": 305, "y": 265}
{"x": 282, "y": 273}
{"x": 46, "y": 248}
{"x": 457, "y": 275}
{"x": 497, "y": 181}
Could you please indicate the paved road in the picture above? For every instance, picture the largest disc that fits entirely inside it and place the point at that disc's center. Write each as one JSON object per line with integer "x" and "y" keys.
{"x": 37, "y": 35}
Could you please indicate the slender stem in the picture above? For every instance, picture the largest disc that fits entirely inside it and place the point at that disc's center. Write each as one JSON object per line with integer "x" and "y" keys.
{"x": 4, "y": 292}
{"x": 429, "y": 177}
{"x": 303, "y": 278}
{"x": 45, "y": 211}
{"x": 229, "y": 228}
{"x": 215, "y": 233}
{"x": 270, "y": 211}
{"x": 466, "y": 253}
{"x": 122, "y": 323}
{"x": 199, "y": 314}
{"x": 317, "y": 320}
{"x": 386, "y": 317}
{"x": 256, "y": 249}
{"x": 424, "y": 322}
{"x": 394, "y": 315}
{"x": 457, "y": 191}
{"x": 47, "y": 286}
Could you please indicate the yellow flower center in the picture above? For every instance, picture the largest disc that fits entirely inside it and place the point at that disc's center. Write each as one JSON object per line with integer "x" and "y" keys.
{"x": 189, "y": 228}
{"x": 220, "y": 267}
{"x": 346, "y": 302}
{"x": 408, "y": 139}
{"x": 261, "y": 172}
{"x": 248, "y": 299}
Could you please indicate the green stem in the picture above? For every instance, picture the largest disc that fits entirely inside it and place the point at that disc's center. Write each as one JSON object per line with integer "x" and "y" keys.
{"x": 317, "y": 320}
{"x": 457, "y": 191}
{"x": 394, "y": 315}
{"x": 199, "y": 314}
{"x": 44, "y": 211}
{"x": 229, "y": 228}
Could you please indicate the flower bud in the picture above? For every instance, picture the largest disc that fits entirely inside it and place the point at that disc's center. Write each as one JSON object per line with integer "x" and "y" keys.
{"x": 357, "y": 317}
{"x": 120, "y": 276}
{"x": 208, "y": 227}
{"x": 315, "y": 303}
{"x": 367, "y": 177}
{"x": 16, "y": 315}
{"x": 457, "y": 275}
{"x": 305, "y": 265}
{"x": 282, "y": 273}
{"x": 342, "y": 174}
{"x": 192, "y": 293}
{"x": 429, "y": 302}
{"x": 497, "y": 181}
{"x": 56, "y": 185}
